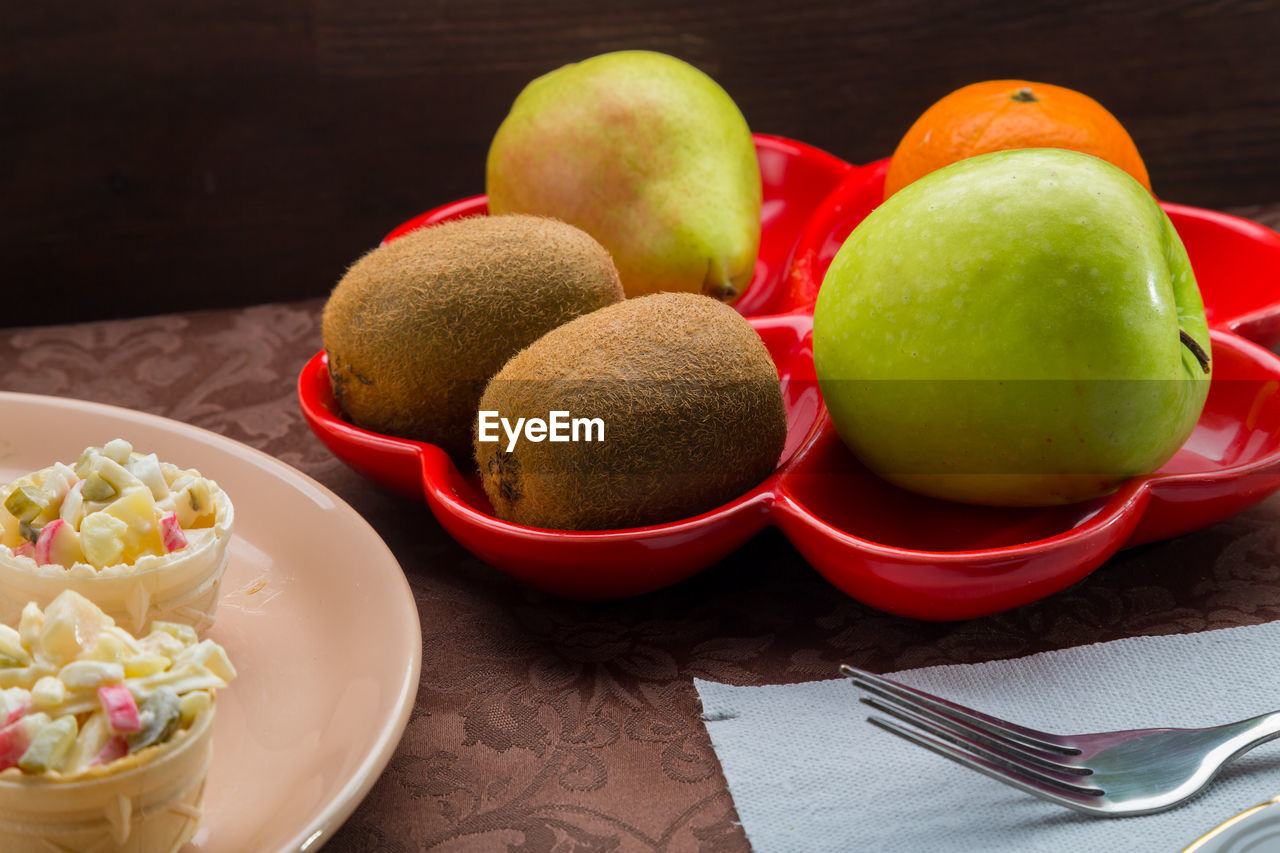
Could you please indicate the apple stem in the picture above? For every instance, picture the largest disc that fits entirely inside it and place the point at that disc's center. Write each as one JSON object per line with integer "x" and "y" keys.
{"x": 1196, "y": 350}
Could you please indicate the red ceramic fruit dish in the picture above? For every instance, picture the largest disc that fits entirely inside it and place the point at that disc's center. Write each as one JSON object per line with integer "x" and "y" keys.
{"x": 893, "y": 550}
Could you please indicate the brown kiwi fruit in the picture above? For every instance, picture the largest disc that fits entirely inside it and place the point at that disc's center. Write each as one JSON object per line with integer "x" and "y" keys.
{"x": 417, "y": 326}
{"x": 689, "y": 401}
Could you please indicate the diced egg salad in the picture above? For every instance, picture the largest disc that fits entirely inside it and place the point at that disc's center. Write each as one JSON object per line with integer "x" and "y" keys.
{"x": 112, "y": 507}
{"x": 78, "y": 692}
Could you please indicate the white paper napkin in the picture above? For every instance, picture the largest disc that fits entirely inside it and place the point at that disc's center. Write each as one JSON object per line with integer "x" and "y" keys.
{"x": 809, "y": 774}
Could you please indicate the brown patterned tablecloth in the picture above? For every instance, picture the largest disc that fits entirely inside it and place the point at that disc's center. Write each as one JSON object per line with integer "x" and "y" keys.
{"x": 547, "y": 725}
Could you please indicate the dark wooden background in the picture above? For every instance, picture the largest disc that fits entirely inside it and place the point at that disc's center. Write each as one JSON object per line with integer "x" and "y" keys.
{"x": 159, "y": 155}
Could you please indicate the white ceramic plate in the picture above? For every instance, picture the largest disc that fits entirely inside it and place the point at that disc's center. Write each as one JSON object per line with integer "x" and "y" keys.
{"x": 1256, "y": 830}
{"x": 316, "y": 615}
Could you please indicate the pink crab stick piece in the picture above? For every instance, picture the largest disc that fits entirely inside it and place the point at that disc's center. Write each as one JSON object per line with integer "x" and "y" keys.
{"x": 122, "y": 711}
{"x": 26, "y": 549}
{"x": 171, "y": 532}
{"x": 44, "y": 542}
{"x": 115, "y": 748}
{"x": 14, "y": 740}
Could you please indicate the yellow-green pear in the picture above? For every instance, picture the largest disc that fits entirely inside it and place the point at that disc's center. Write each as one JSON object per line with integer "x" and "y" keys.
{"x": 648, "y": 155}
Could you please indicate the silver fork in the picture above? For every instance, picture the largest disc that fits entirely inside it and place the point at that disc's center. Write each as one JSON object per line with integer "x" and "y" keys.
{"x": 1106, "y": 773}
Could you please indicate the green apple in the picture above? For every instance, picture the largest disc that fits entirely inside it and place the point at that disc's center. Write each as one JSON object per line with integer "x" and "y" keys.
{"x": 648, "y": 155}
{"x": 1021, "y": 328}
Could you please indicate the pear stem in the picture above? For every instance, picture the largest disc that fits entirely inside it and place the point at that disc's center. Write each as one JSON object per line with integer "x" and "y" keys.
{"x": 1196, "y": 350}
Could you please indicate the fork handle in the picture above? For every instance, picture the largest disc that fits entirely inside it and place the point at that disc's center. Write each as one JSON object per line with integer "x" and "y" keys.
{"x": 1246, "y": 734}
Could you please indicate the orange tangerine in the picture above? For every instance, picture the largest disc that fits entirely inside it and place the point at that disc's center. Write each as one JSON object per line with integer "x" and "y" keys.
{"x": 1000, "y": 114}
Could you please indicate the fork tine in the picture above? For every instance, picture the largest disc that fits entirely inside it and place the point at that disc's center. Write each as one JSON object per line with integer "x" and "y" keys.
{"x": 1077, "y": 801}
{"x": 947, "y": 726}
{"x": 993, "y": 726}
{"x": 1004, "y": 754}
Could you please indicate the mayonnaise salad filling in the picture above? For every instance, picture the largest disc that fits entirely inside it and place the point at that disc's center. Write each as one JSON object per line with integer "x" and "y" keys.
{"x": 78, "y": 692}
{"x": 114, "y": 506}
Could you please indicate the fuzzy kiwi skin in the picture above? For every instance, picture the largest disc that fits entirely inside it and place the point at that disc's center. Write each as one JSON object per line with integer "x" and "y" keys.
{"x": 417, "y": 326}
{"x": 691, "y": 403}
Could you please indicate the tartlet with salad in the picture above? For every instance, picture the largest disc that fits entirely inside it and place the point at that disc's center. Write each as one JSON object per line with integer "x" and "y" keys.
{"x": 106, "y": 738}
{"x": 142, "y": 538}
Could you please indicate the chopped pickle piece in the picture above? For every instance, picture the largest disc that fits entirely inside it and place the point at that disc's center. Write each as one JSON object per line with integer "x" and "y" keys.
{"x": 96, "y": 488}
{"x": 116, "y": 475}
{"x": 29, "y": 531}
{"x": 201, "y": 503}
{"x": 199, "y": 497}
{"x": 193, "y": 502}
{"x": 159, "y": 715}
{"x": 50, "y": 746}
{"x": 85, "y": 461}
{"x": 27, "y": 502}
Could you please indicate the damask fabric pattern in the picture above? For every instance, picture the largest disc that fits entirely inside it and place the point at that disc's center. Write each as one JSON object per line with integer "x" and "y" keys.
{"x": 549, "y": 726}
